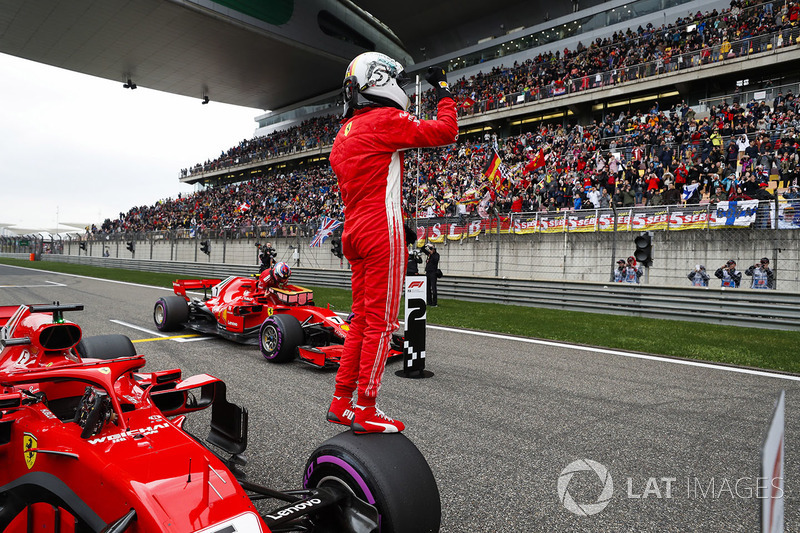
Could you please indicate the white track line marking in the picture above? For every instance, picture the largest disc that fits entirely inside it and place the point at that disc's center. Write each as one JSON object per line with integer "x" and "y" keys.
{"x": 139, "y": 328}
{"x": 50, "y": 284}
{"x": 605, "y": 351}
{"x": 157, "y": 334}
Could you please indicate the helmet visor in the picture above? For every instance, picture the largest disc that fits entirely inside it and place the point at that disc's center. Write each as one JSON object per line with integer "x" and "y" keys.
{"x": 403, "y": 79}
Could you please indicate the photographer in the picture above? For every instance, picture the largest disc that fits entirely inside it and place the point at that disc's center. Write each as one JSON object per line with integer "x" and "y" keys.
{"x": 729, "y": 275}
{"x": 267, "y": 257}
{"x": 763, "y": 277}
{"x": 699, "y": 277}
{"x": 414, "y": 259}
{"x": 432, "y": 273}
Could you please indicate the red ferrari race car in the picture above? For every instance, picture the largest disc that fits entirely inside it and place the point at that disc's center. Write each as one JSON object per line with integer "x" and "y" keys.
{"x": 90, "y": 443}
{"x": 282, "y": 319}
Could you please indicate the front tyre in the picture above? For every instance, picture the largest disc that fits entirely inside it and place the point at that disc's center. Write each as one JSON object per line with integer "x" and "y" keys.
{"x": 386, "y": 471}
{"x": 170, "y": 313}
{"x": 279, "y": 337}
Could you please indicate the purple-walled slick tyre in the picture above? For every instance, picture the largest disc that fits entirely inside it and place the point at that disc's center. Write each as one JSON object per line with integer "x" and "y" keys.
{"x": 384, "y": 470}
{"x": 279, "y": 337}
{"x": 170, "y": 313}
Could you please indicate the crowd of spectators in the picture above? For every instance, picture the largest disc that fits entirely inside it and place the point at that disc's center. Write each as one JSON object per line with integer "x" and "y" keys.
{"x": 644, "y": 158}
{"x": 310, "y": 133}
{"x": 272, "y": 202}
{"x": 633, "y": 159}
{"x": 692, "y": 40}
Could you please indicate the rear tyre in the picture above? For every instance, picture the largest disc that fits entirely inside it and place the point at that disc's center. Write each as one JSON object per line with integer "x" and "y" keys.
{"x": 279, "y": 337}
{"x": 386, "y": 471}
{"x": 170, "y": 313}
{"x": 105, "y": 347}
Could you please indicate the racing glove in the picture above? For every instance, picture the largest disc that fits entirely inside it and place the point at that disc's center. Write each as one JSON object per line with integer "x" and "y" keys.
{"x": 437, "y": 77}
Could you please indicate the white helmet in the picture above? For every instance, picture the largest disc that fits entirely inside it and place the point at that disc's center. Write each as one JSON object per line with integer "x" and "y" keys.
{"x": 374, "y": 78}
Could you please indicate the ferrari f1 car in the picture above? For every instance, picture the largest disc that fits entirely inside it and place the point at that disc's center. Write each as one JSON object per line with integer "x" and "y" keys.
{"x": 89, "y": 443}
{"x": 283, "y": 320}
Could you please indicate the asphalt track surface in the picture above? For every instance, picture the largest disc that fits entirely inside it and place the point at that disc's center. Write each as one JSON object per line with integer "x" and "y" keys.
{"x": 499, "y": 421}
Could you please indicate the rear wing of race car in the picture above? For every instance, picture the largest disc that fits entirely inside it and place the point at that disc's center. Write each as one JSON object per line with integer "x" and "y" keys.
{"x": 182, "y": 285}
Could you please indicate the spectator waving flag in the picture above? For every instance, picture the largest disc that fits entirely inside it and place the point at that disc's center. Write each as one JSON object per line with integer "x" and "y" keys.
{"x": 688, "y": 190}
{"x": 325, "y": 230}
{"x": 536, "y": 162}
{"x": 466, "y": 102}
{"x": 495, "y": 171}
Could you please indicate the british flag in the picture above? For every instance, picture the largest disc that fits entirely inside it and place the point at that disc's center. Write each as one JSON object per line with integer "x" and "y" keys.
{"x": 326, "y": 229}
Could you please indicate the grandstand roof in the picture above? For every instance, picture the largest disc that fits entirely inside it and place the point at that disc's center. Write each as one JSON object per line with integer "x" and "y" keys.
{"x": 266, "y": 56}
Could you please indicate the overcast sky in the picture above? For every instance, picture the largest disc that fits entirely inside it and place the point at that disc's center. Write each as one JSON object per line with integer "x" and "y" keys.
{"x": 79, "y": 149}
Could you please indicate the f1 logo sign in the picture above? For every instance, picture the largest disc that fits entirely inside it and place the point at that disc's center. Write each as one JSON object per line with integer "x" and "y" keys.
{"x": 415, "y": 315}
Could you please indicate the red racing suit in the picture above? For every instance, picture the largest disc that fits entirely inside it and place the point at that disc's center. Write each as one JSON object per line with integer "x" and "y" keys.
{"x": 368, "y": 161}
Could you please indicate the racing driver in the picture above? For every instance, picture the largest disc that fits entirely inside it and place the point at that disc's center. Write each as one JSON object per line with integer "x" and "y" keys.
{"x": 367, "y": 157}
{"x": 277, "y": 276}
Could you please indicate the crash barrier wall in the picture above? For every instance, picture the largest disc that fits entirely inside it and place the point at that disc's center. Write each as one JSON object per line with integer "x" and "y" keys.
{"x": 734, "y": 307}
{"x": 559, "y": 246}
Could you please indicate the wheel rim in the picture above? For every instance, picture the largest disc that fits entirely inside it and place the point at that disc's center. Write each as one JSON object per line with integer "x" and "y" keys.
{"x": 356, "y": 505}
{"x": 329, "y": 481}
{"x": 158, "y": 314}
{"x": 269, "y": 339}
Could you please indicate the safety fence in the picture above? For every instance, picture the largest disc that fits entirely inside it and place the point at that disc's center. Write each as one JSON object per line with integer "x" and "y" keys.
{"x": 747, "y": 308}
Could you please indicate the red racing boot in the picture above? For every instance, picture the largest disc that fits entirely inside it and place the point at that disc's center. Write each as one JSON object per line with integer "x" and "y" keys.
{"x": 373, "y": 420}
{"x": 341, "y": 411}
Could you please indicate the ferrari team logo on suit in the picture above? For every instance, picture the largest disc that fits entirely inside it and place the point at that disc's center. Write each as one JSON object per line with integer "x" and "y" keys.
{"x": 29, "y": 446}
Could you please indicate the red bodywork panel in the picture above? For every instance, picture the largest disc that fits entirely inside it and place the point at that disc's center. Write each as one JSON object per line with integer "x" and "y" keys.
{"x": 138, "y": 459}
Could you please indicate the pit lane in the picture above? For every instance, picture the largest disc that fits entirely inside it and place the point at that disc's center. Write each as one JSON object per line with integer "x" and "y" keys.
{"x": 498, "y": 422}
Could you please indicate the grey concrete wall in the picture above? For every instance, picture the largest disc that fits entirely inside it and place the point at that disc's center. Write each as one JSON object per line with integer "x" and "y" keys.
{"x": 560, "y": 256}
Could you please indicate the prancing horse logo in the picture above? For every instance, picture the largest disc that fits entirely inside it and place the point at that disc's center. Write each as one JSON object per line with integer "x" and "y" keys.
{"x": 29, "y": 446}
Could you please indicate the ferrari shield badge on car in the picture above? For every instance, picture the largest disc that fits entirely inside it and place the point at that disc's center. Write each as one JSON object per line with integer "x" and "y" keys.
{"x": 29, "y": 446}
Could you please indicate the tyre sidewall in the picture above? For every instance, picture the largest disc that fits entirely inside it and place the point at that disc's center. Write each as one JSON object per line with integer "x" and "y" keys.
{"x": 175, "y": 311}
{"x": 386, "y": 471}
